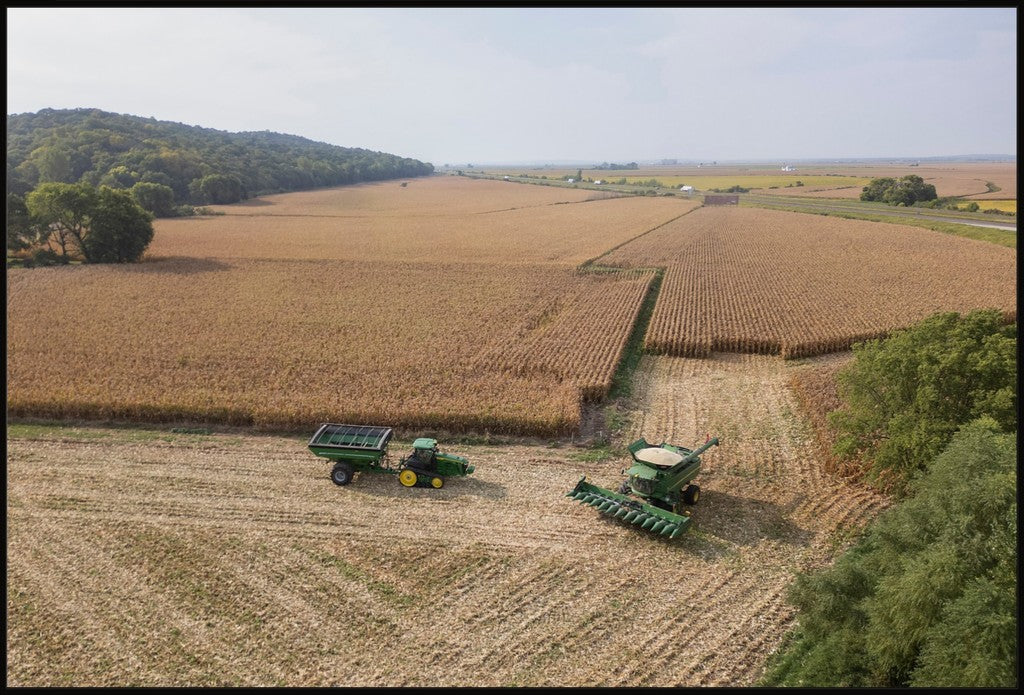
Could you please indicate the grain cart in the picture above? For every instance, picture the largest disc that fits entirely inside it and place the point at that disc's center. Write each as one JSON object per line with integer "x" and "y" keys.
{"x": 365, "y": 448}
{"x": 653, "y": 495}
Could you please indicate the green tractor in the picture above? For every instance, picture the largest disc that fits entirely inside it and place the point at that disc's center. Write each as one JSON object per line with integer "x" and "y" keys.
{"x": 654, "y": 494}
{"x": 365, "y": 448}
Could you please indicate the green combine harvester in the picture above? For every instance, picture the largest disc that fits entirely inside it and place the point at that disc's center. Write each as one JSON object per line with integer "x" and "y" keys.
{"x": 365, "y": 448}
{"x": 656, "y": 490}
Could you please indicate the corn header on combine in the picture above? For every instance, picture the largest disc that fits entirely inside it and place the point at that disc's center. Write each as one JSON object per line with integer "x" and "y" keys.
{"x": 656, "y": 491}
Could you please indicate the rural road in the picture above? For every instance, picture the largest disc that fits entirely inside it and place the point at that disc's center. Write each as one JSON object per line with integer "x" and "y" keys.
{"x": 903, "y": 212}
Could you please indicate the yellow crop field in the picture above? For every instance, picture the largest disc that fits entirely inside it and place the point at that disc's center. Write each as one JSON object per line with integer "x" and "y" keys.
{"x": 562, "y": 232}
{"x": 468, "y": 316}
{"x": 986, "y": 204}
{"x": 787, "y": 181}
{"x": 749, "y": 280}
{"x": 839, "y": 180}
{"x": 434, "y": 195}
{"x": 283, "y": 344}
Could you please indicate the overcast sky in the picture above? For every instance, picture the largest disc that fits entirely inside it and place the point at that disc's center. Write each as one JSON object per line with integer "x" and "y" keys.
{"x": 530, "y": 84}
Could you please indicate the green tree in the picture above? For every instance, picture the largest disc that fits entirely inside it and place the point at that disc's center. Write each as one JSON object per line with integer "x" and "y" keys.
{"x": 119, "y": 177}
{"x": 63, "y": 209}
{"x": 119, "y": 230}
{"x": 155, "y": 198}
{"x": 220, "y": 189}
{"x": 905, "y": 191}
{"x": 22, "y": 232}
{"x": 928, "y": 596}
{"x": 103, "y": 226}
{"x": 53, "y": 163}
{"x": 905, "y": 396}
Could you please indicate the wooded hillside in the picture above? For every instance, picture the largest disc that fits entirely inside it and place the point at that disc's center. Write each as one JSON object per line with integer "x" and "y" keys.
{"x": 98, "y": 147}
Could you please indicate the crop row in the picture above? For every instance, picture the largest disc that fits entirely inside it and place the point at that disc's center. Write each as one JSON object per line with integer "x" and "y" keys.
{"x": 762, "y": 281}
{"x": 285, "y": 344}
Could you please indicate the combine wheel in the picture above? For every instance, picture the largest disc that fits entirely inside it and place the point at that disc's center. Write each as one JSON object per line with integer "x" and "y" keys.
{"x": 407, "y": 477}
{"x": 625, "y": 489}
{"x": 436, "y": 481}
{"x": 691, "y": 494}
{"x": 342, "y": 473}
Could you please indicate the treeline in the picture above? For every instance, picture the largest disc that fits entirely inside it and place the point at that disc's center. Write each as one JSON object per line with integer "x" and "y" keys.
{"x": 928, "y": 595}
{"x": 612, "y": 166}
{"x": 179, "y": 164}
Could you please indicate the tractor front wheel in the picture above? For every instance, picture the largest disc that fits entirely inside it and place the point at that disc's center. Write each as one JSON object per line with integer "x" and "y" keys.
{"x": 437, "y": 482}
{"x": 691, "y": 494}
{"x": 342, "y": 474}
{"x": 407, "y": 477}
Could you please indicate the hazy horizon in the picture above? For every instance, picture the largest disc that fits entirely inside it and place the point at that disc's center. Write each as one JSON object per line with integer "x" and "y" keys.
{"x": 527, "y": 86}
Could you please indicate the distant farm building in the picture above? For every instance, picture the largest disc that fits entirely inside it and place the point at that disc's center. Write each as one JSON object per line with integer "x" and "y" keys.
{"x": 722, "y": 199}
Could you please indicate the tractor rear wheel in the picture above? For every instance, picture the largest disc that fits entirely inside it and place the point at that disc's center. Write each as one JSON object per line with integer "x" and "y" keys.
{"x": 342, "y": 473}
{"x": 437, "y": 482}
{"x": 691, "y": 494}
{"x": 407, "y": 477}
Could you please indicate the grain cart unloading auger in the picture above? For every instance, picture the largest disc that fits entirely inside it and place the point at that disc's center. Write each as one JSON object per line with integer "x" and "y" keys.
{"x": 653, "y": 495}
{"x": 365, "y": 448}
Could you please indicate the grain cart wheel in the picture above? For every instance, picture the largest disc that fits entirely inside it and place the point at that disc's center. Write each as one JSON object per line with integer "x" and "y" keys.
{"x": 436, "y": 482}
{"x": 342, "y": 474}
{"x": 691, "y": 494}
{"x": 407, "y": 477}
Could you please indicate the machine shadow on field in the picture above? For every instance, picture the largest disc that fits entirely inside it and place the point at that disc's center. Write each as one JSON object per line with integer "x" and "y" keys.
{"x": 746, "y": 521}
{"x": 387, "y": 485}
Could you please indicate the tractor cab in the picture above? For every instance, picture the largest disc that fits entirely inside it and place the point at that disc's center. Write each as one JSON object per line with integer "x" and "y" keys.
{"x": 424, "y": 454}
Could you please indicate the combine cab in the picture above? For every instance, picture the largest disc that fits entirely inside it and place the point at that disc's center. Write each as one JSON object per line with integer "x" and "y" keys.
{"x": 654, "y": 494}
{"x": 365, "y": 448}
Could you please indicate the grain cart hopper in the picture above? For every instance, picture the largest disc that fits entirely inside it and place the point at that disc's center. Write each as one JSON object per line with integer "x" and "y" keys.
{"x": 658, "y": 486}
{"x": 365, "y": 448}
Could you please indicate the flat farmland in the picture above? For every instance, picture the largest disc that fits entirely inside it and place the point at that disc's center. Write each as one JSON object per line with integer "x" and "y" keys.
{"x": 474, "y": 320}
{"x": 152, "y": 559}
{"x": 287, "y": 344}
{"x": 149, "y": 557}
{"x": 750, "y": 280}
{"x": 439, "y": 219}
{"x": 840, "y": 180}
